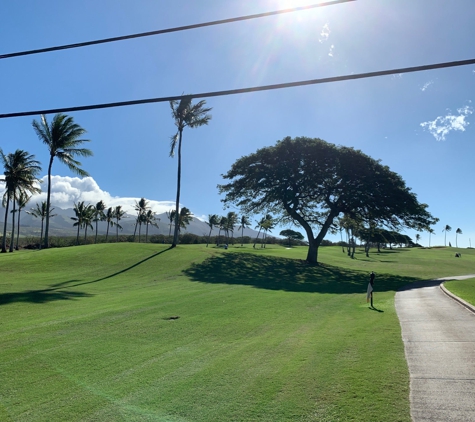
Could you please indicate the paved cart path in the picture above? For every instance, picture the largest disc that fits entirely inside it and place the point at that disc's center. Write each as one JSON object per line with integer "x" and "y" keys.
{"x": 439, "y": 340}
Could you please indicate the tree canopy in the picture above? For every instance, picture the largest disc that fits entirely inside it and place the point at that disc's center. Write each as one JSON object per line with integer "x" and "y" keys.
{"x": 313, "y": 182}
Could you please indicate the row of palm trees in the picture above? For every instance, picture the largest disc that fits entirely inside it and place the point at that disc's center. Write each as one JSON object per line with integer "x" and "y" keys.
{"x": 228, "y": 223}
{"x": 62, "y": 137}
{"x": 64, "y": 140}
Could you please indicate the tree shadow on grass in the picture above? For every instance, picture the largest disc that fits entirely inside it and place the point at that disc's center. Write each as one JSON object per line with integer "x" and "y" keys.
{"x": 55, "y": 292}
{"x": 41, "y": 296}
{"x": 274, "y": 273}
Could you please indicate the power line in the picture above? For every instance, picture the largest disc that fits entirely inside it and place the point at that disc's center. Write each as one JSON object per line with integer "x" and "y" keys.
{"x": 168, "y": 30}
{"x": 245, "y": 90}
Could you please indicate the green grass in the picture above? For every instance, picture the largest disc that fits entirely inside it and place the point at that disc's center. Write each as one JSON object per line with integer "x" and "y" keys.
{"x": 464, "y": 289}
{"x": 91, "y": 333}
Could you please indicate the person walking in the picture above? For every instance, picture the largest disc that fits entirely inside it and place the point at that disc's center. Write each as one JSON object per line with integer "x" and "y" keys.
{"x": 369, "y": 293}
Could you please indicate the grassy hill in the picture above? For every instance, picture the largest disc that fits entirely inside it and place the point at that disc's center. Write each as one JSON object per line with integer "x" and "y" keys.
{"x": 138, "y": 332}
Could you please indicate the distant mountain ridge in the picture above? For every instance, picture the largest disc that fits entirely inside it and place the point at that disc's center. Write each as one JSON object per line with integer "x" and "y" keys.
{"x": 62, "y": 225}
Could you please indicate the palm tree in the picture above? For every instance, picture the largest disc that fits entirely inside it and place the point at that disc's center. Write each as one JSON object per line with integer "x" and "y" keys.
{"x": 20, "y": 171}
{"x": 118, "y": 215}
{"x": 62, "y": 137}
{"x": 446, "y": 229}
{"x": 268, "y": 224}
{"x": 212, "y": 221}
{"x": 149, "y": 219}
{"x": 244, "y": 223}
{"x": 171, "y": 218}
{"x": 40, "y": 212}
{"x": 184, "y": 218}
{"x": 431, "y": 231}
{"x": 457, "y": 232}
{"x": 22, "y": 200}
{"x": 109, "y": 219}
{"x": 232, "y": 218}
{"x": 84, "y": 215}
{"x": 99, "y": 215}
{"x": 185, "y": 114}
{"x": 141, "y": 207}
{"x": 259, "y": 225}
{"x": 418, "y": 237}
{"x": 223, "y": 225}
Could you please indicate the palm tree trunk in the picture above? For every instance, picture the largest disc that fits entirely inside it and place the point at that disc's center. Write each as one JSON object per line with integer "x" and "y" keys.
{"x": 95, "y": 239}
{"x": 18, "y": 230}
{"x": 255, "y": 240}
{"x": 4, "y": 240}
{"x": 107, "y": 231}
{"x": 12, "y": 240}
{"x": 77, "y": 237}
{"x": 41, "y": 233}
{"x": 140, "y": 228}
{"x": 209, "y": 235}
{"x": 146, "y": 233}
{"x": 48, "y": 200}
{"x": 242, "y": 236}
{"x": 178, "y": 187}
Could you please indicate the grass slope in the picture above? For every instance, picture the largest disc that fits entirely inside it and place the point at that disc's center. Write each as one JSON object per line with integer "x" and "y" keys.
{"x": 135, "y": 332}
{"x": 464, "y": 289}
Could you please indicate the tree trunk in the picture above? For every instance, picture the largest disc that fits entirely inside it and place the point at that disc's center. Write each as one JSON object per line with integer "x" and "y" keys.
{"x": 178, "y": 187}
{"x": 4, "y": 240}
{"x": 77, "y": 236}
{"x": 41, "y": 233}
{"x": 107, "y": 231}
{"x": 12, "y": 240}
{"x": 18, "y": 230}
{"x": 48, "y": 202}
{"x": 95, "y": 238}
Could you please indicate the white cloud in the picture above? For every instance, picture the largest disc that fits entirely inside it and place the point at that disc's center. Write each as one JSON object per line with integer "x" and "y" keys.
{"x": 325, "y": 34}
{"x": 426, "y": 85}
{"x": 396, "y": 76}
{"x": 65, "y": 191}
{"x": 330, "y": 53}
{"x": 442, "y": 125}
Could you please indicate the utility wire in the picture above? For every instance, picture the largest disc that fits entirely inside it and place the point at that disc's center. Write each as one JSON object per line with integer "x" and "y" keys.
{"x": 168, "y": 30}
{"x": 245, "y": 90}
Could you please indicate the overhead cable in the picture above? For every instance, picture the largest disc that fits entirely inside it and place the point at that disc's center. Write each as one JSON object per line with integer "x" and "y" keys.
{"x": 245, "y": 90}
{"x": 168, "y": 30}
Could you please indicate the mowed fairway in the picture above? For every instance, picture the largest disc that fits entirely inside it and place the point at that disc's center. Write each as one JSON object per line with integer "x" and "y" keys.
{"x": 135, "y": 332}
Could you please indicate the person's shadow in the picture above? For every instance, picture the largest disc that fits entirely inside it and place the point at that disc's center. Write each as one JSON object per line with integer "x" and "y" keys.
{"x": 374, "y": 309}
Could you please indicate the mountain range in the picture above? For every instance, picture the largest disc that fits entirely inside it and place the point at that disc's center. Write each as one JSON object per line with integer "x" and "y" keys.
{"x": 62, "y": 225}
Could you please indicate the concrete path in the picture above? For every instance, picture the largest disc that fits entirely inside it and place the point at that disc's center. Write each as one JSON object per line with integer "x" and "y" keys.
{"x": 439, "y": 340}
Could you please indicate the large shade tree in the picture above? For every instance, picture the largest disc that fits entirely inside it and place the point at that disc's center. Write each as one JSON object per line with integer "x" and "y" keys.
{"x": 313, "y": 182}
{"x": 20, "y": 177}
{"x": 185, "y": 114}
{"x": 63, "y": 139}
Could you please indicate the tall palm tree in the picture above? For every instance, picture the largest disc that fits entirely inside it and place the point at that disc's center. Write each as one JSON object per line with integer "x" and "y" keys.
{"x": 84, "y": 215}
{"x": 244, "y": 223}
{"x": 223, "y": 225}
{"x": 20, "y": 176}
{"x": 259, "y": 225}
{"x": 457, "y": 232}
{"x": 149, "y": 219}
{"x": 118, "y": 215}
{"x": 141, "y": 207}
{"x": 184, "y": 218}
{"x": 63, "y": 139}
{"x": 171, "y": 219}
{"x": 418, "y": 237}
{"x": 99, "y": 215}
{"x": 185, "y": 113}
{"x": 446, "y": 229}
{"x": 431, "y": 231}
{"x": 22, "y": 201}
{"x": 232, "y": 218}
{"x": 109, "y": 219}
{"x": 40, "y": 212}
{"x": 267, "y": 224}
{"x": 212, "y": 221}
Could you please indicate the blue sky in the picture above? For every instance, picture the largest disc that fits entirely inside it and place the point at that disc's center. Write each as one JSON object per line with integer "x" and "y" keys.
{"x": 421, "y": 125}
